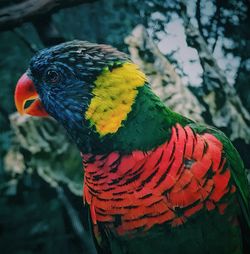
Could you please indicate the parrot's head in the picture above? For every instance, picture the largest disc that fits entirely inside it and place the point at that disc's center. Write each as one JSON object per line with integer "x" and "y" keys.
{"x": 88, "y": 88}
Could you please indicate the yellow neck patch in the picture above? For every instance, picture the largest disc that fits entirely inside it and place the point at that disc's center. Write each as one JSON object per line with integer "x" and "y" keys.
{"x": 114, "y": 94}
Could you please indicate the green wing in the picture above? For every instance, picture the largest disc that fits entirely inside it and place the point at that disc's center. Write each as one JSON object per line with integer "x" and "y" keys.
{"x": 239, "y": 176}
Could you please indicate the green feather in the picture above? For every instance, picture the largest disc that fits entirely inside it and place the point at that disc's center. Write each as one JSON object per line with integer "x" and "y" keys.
{"x": 147, "y": 126}
{"x": 238, "y": 174}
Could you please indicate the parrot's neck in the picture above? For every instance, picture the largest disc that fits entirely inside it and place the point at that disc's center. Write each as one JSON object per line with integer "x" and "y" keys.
{"x": 147, "y": 126}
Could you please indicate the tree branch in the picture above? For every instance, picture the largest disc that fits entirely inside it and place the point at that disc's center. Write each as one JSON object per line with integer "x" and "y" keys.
{"x": 217, "y": 21}
{"x": 198, "y": 17}
{"x": 221, "y": 99}
{"x": 28, "y": 10}
{"x": 80, "y": 232}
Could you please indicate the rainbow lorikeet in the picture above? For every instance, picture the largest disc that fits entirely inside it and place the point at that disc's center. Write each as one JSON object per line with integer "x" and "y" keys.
{"x": 155, "y": 181}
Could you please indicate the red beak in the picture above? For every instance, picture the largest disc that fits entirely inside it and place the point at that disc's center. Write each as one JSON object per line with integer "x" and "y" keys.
{"x": 25, "y": 91}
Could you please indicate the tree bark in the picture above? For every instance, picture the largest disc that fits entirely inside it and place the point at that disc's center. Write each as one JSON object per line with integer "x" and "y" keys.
{"x": 223, "y": 105}
{"x": 40, "y": 144}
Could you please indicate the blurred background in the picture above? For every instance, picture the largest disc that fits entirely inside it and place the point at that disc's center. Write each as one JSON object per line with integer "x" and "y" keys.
{"x": 196, "y": 54}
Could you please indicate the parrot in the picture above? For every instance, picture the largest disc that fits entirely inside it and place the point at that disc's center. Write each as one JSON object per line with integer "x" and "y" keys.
{"x": 155, "y": 181}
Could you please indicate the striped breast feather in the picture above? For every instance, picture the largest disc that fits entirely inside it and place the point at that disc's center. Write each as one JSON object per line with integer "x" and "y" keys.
{"x": 182, "y": 177}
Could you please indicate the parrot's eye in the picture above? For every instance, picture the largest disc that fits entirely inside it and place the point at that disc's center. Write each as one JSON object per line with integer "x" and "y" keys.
{"x": 52, "y": 76}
